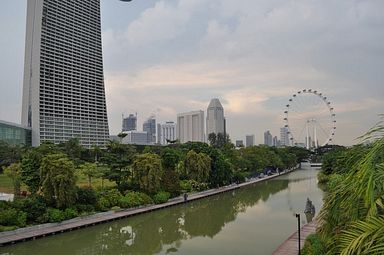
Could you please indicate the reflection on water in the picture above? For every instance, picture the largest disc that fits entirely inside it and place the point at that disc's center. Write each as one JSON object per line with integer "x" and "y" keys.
{"x": 252, "y": 220}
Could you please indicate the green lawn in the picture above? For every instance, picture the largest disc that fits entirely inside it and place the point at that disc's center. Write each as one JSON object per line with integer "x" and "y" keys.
{"x": 5, "y": 184}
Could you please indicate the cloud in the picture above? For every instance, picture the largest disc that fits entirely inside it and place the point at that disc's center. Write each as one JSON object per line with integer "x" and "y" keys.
{"x": 252, "y": 54}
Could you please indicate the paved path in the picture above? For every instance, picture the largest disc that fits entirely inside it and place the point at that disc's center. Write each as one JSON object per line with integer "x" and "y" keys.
{"x": 290, "y": 246}
{"x": 33, "y": 232}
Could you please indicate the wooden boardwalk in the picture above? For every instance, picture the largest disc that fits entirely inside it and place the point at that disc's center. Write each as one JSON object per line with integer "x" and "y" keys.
{"x": 290, "y": 246}
{"x": 38, "y": 231}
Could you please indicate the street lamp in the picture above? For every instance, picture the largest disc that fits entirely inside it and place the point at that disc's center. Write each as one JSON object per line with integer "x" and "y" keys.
{"x": 298, "y": 229}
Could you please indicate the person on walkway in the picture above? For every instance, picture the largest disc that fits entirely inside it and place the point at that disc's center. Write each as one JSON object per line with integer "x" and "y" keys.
{"x": 185, "y": 197}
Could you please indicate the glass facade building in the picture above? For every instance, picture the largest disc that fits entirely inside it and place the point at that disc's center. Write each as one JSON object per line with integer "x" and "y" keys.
{"x": 15, "y": 134}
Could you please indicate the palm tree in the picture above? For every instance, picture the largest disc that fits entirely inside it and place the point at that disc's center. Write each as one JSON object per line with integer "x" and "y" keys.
{"x": 353, "y": 210}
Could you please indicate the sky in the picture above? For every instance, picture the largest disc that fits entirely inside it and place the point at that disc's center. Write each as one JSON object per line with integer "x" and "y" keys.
{"x": 164, "y": 57}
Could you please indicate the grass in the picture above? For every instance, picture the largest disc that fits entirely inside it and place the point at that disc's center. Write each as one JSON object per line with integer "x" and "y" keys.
{"x": 82, "y": 181}
{"x": 6, "y": 185}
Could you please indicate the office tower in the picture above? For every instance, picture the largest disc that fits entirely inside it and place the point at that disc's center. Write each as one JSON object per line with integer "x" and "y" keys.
{"x": 129, "y": 123}
{"x": 63, "y": 91}
{"x": 190, "y": 126}
{"x": 149, "y": 126}
{"x": 239, "y": 143}
{"x": 168, "y": 132}
{"x": 275, "y": 142}
{"x": 215, "y": 118}
{"x": 268, "y": 138}
{"x": 249, "y": 140}
{"x": 284, "y": 136}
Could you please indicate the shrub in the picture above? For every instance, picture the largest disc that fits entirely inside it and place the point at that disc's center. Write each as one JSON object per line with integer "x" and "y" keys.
{"x": 35, "y": 207}
{"x": 134, "y": 199}
{"x": 186, "y": 185}
{"x": 113, "y": 196}
{"x": 86, "y": 196}
{"x": 103, "y": 204}
{"x": 322, "y": 177}
{"x": 7, "y": 228}
{"x": 13, "y": 217}
{"x": 313, "y": 245}
{"x": 55, "y": 215}
{"x": 70, "y": 213}
{"x": 239, "y": 177}
{"x": 161, "y": 197}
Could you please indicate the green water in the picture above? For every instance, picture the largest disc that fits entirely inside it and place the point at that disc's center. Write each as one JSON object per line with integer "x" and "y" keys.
{"x": 251, "y": 220}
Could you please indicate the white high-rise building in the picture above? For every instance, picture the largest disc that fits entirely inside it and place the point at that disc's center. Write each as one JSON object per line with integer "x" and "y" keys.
{"x": 63, "y": 91}
{"x": 284, "y": 136}
{"x": 215, "y": 118}
{"x": 167, "y": 132}
{"x": 190, "y": 126}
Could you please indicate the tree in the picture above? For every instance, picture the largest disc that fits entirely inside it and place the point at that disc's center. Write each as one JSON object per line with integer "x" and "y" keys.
{"x": 30, "y": 169}
{"x": 118, "y": 157}
{"x": 58, "y": 180}
{"x": 352, "y": 215}
{"x": 9, "y": 154}
{"x": 91, "y": 170}
{"x": 147, "y": 172}
{"x": 212, "y": 139}
{"x": 170, "y": 179}
{"x": 197, "y": 166}
{"x": 13, "y": 172}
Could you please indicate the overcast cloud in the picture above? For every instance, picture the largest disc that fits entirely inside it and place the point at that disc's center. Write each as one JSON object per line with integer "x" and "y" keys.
{"x": 170, "y": 56}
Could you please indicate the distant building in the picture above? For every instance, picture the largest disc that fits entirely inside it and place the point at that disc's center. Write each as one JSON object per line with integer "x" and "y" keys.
{"x": 167, "y": 132}
{"x": 249, "y": 140}
{"x": 135, "y": 137}
{"x": 275, "y": 142}
{"x": 190, "y": 126}
{"x": 129, "y": 123}
{"x": 15, "y": 134}
{"x": 239, "y": 143}
{"x": 158, "y": 136}
{"x": 284, "y": 136}
{"x": 215, "y": 118}
{"x": 268, "y": 138}
{"x": 149, "y": 126}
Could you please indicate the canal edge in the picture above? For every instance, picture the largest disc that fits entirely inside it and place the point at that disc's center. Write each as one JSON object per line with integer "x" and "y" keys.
{"x": 43, "y": 230}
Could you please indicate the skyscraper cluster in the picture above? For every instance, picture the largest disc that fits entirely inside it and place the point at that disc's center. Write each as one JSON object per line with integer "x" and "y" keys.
{"x": 190, "y": 125}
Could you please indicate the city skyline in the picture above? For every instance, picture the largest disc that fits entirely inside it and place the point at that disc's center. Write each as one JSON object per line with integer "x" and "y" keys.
{"x": 199, "y": 50}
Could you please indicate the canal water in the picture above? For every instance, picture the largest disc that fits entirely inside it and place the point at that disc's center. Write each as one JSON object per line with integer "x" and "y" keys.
{"x": 252, "y": 220}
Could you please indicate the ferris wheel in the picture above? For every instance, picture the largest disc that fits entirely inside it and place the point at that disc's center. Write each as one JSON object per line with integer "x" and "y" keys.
{"x": 309, "y": 119}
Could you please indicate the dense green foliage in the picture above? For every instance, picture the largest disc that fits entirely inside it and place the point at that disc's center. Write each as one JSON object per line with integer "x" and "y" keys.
{"x": 137, "y": 175}
{"x": 353, "y": 213}
{"x": 313, "y": 245}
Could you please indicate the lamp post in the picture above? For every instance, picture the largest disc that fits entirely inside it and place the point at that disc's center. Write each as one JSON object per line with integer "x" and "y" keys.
{"x": 298, "y": 229}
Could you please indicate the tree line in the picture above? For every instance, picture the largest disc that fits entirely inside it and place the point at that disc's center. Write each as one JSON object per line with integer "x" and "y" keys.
{"x": 139, "y": 175}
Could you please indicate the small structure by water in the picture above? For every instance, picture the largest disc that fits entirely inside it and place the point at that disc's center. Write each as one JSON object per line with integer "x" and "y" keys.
{"x": 6, "y": 197}
{"x": 309, "y": 210}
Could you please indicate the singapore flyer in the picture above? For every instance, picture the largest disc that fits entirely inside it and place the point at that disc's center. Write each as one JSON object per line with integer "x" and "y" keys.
{"x": 310, "y": 119}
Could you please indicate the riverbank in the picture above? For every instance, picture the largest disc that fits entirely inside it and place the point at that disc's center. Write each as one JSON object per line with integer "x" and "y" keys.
{"x": 38, "y": 231}
{"x": 290, "y": 246}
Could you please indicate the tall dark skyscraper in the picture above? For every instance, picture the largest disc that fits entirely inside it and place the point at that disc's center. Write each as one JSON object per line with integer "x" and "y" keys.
{"x": 149, "y": 126}
{"x": 130, "y": 123}
{"x": 63, "y": 93}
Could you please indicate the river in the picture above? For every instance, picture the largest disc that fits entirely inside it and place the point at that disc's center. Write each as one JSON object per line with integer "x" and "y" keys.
{"x": 252, "y": 220}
